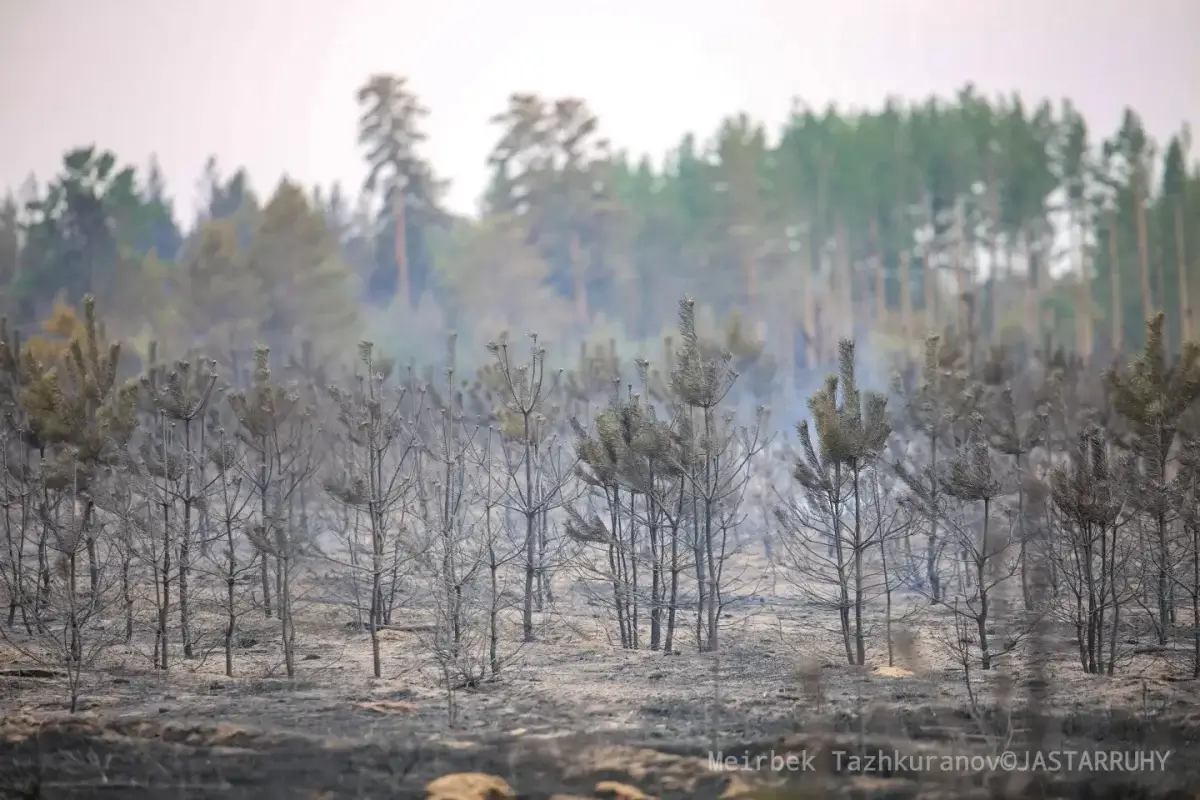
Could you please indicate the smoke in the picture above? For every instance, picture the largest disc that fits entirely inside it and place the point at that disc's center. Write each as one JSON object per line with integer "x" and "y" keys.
{"x": 418, "y": 336}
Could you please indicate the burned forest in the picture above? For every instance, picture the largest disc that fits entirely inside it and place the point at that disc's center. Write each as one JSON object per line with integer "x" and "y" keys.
{"x": 878, "y": 433}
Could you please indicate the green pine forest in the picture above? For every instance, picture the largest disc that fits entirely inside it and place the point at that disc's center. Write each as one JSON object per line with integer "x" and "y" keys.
{"x": 1005, "y": 218}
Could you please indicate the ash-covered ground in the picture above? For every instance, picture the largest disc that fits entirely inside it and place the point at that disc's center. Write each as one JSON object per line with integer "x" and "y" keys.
{"x": 573, "y": 710}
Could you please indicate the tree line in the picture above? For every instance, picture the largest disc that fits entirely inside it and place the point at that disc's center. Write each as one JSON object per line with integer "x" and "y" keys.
{"x": 1003, "y": 218}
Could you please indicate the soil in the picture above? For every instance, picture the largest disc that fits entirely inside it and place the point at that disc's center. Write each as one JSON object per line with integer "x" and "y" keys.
{"x": 571, "y": 711}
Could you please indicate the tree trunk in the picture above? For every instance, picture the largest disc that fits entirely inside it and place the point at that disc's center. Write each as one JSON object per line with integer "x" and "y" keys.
{"x": 1083, "y": 309}
{"x": 1114, "y": 271}
{"x": 982, "y": 617}
{"x": 93, "y": 564}
{"x": 932, "y": 570}
{"x": 1032, "y": 284}
{"x": 230, "y": 585}
{"x": 403, "y": 281}
{"x": 846, "y": 279}
{"x": 993, "y": 248}
{"x": 530, "y": 532}
{"x": 1195, "y": 598}
{"x": 860, "y": 644}
{"x": 165, "y": 610}
{"x": 906, "y": 308}
{"x": 960, "y": 269}
{"x": 880, "y": 274}
{"x": 655, "y": 588}
{"x": 676, "y": 568}
{"x": 493, "y": 611}
{"x": 887, "y": 597}
{"x": 185, "y": 547}
{"x": 1164, "y": 596}
{"x": 1185, "y": 304}
{"x": 1143, "y": 247}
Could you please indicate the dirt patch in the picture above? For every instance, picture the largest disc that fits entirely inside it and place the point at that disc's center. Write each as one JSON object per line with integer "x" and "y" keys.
{"x": 145, "y": 758}
{"x": 570, "y": 712}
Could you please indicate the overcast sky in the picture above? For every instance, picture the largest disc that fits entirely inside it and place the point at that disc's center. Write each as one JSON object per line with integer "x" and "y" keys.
{"x": 270, "y": 84}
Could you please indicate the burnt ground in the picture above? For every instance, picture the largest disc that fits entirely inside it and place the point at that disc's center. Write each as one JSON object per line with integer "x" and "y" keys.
{"x": 571, "y": 711}
{"x": 153, "y": 758}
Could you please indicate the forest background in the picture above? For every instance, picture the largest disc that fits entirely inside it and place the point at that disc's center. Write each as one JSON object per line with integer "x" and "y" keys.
{"x": 1001, "y": 216}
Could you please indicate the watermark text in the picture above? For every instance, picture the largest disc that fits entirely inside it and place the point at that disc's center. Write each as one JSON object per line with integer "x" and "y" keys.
{"x": 891, "y": 762}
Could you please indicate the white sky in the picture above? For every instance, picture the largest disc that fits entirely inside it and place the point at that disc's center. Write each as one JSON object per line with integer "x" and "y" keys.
{"x": 270, "y": 84}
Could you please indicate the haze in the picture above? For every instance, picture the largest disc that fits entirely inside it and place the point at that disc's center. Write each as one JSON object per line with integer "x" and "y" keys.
{"x": 270, "y": 85}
